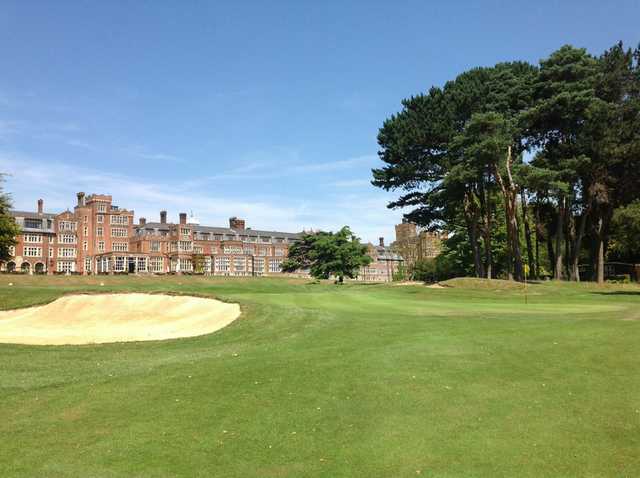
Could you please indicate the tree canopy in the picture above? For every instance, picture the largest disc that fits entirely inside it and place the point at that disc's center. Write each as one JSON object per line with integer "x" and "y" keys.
{"x": 8, "y": 227}
{"x": 327, "y": 254}
{"x": 554, "y": 148}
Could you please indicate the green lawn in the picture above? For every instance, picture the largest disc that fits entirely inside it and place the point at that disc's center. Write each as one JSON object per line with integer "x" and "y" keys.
{"x": 321, "y": 380}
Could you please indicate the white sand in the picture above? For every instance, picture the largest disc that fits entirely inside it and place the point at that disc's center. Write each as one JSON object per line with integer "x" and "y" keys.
{"x": 103, "y": 318}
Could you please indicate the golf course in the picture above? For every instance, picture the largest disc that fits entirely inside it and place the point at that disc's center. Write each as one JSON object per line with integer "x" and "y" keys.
{"x": 315, "y": 379}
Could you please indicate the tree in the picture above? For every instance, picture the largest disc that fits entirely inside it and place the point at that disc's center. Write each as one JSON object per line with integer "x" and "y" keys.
{"x": 565, "y": 95}
{"x": 440, "y": 151}
{"x": 8, "y": 227}
{"x": 197, "y": 261}
{"x": 456, "y": 155}
{"x": 328, "y": 254}
{"x": 626, "y": 229}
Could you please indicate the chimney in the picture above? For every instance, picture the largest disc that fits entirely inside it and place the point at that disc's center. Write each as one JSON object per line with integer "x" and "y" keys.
{"x": 183, "y": 218}
{"x": 40, "y": 206}
{"x": 163, "y": 217}
{"x": 80, "y": 199}
{"x": 143, "y": 221}
{"x": 381, "y": 239}
{"x": 236, "y": 223}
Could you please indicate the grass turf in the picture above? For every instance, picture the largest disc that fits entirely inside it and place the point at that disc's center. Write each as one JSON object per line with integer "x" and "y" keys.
{"x": 321, "y": 380}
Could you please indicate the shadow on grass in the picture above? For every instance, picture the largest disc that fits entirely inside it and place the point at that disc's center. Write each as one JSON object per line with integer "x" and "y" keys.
{"x": 618, "y": 292}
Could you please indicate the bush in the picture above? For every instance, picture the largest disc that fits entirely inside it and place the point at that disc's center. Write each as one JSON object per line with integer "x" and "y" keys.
{"x": 425, "y": 270}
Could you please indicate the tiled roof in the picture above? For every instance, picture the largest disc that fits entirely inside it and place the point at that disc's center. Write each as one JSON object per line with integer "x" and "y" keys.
{"x": 31, "y": 214}
{"x": 221, "y": 230}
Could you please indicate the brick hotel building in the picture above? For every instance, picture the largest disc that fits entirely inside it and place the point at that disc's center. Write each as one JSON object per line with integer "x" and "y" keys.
{"x": 99, "y": 237}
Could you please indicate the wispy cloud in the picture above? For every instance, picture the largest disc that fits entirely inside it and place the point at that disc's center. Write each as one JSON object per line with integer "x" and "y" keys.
{"x": 351, "y": 183}
{"x": 57, "y": 182}
{"x": 142, "y": 152}
{"x": 10, "y": 127}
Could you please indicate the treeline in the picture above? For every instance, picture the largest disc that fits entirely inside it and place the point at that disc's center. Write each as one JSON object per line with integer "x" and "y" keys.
{"x": 527, "y": 165}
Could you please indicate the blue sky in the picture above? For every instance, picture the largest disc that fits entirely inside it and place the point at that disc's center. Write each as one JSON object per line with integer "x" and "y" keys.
{"x": 264, "y": 110}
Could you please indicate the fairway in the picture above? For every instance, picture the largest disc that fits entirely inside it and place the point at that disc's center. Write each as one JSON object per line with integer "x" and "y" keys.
{"x": 317, "y": 380}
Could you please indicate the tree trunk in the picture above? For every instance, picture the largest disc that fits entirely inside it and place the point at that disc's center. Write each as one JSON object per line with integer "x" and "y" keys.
{"x": 527, "y": 229}
{"x": 471, "y": 218}
{"x": 551, "y": 252}
{"x": 600, "y": 251}
{"x": 536, "y": 271}
{"x": 485, "y": 200}
{"x": 509, "y": 192}
{"x": 559, "y": 230}
{"x": 575, "y": 266}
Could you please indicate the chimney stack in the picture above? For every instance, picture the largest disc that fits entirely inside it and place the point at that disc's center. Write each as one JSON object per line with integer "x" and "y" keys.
{"x": 381, "y": 241}
{"x": 143, "y": 221}
{"x": 80, "y": 199}
{"x": 40, "y": 206}
{"x": 183, "y": 218}
{"x": 163, "y": 217}
{"x": 236, "y": 223}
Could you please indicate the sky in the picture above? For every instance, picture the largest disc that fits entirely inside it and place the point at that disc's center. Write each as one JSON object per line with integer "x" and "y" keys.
{"x": 264, "y": 110}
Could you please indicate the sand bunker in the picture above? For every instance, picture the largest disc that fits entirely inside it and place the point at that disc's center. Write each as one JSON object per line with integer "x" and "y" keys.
{"x": 95, "y": 319}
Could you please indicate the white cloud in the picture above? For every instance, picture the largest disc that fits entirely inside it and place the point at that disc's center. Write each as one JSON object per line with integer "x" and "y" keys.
{"x": 351, "y": 183}
{"x": 57, "y": 183}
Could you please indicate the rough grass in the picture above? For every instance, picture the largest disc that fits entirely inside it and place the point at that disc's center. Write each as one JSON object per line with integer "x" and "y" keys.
{"x": 323, "y": 380}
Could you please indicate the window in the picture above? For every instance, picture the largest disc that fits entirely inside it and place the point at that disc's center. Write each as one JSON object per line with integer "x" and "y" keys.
{"x": 119, "y": 232}
{"x": 85, "y": 231}
{"x": 50, "y": 251}
{"x": 185, "y": 246}
{"x": 100, "y": 218}
{"x": 85, "y": 246}
{"x": 67, "y": 239}
{"x": 184, "y": 231}
{"x": 248, "y": 250}
{"x": 100, "y": 246}
{"x": 85, "y": 219}
{"x": 142, "y": 264}
{"x": 31, "y": 251}
{"x": 102, "y": 207}
{"x": 266, "y": 240}
{"x": 67, "y": 252}
{"x": 263, "y": 251}
{"x": 87, "y": 264}
{"x": 33, "y": 238}
{"x": 120, "y": 246}
{"x": 186, "y": 265}
{"x": 33, "y": 223}
{"x": 155, "y": 246}
{"x": 66, "y": 266}
{"x": 156, "y": 264}
{"x": 222, "y": 264}
{"x": 67, "y": 226}
{"x": 275, "y": 265}
{"x": 232, "y": 250}
{"x": 99, "y": 231}
{"x": 198, "y": 250}
{"x": 238, "y": 264}
{"x": 119, "y": 264}
{"x": 258, "y": 266}
{"x": 12, "y": 251}
{"x": 279, "y": 252}
{"x": 120, "y": 220}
